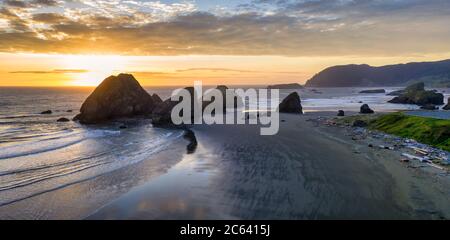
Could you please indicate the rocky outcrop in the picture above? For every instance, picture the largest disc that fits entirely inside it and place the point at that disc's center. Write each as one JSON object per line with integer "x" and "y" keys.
{"x": 291, "y": 104}
{"x": 341, "y": 113}
{"x": 447, "y": 107}
{"x": 365, "y": 109}
{"x": 116, "y": 97}
{"x": 161, "y": 115}
{"x": 373, "y": 91}
{"x": 416, "y": 94}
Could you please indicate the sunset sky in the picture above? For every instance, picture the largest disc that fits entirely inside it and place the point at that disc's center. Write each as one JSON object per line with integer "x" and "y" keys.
{"x": 80, "y": 42}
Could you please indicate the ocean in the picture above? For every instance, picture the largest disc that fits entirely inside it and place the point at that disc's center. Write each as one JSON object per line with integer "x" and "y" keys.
{"x": 39, "y": 154}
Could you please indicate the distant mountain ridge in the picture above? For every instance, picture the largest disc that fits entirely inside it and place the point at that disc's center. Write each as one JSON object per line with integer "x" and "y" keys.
{"x": 436, "y": 74}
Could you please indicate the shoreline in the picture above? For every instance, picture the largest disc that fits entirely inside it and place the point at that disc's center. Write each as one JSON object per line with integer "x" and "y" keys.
{"x": 237, "y": 174}
{"x": 234, "y": 173}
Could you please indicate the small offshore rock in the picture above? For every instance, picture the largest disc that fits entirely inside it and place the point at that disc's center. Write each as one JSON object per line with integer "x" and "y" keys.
{"x": 47, "y": 112}
{"x": 63, "y": 120}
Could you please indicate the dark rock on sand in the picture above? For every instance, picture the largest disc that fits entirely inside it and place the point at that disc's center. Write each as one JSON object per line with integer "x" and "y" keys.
{"x": 123, "y": 127}
{"x": 416, "y": 94}
{"x": 291, "y": 104}
{"x": 47, "y": 112}
{"x": 63, "y": 120}
{"x": 341, "y": 113}
{"x": 359, "y": 123}
{"x": 374, "y": 91}
{"x": 365, "y": 109}
{"x": 190, "y": 136}
{"x": 117, "y": 96}
{"x": 69, "y": 111}
{"x": 447, "y": 107}
{"x": 429, "y": 107}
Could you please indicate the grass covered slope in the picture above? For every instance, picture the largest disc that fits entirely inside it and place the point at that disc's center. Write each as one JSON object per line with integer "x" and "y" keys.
{"x": 435, "y": 132}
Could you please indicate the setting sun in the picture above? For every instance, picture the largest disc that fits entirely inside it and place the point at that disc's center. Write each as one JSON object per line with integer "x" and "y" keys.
{"x": 90, "y": 70}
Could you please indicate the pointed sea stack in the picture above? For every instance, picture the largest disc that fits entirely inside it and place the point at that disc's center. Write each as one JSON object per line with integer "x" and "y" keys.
{"x": 116, "y": 97}
{"x": 291, "y": 104}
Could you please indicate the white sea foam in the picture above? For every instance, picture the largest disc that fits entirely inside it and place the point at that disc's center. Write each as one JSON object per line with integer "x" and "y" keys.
{"x": 53, "y": 142}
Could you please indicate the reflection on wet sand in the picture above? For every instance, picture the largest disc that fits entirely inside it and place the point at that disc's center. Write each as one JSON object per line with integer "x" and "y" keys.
{"x": 182, "y": 193}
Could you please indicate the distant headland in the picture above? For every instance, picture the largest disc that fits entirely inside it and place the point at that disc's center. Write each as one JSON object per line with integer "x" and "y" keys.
{"x": 433, "y": 74}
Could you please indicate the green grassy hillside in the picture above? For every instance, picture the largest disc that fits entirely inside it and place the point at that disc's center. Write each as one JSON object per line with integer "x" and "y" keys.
{"x": 435, "y": 132}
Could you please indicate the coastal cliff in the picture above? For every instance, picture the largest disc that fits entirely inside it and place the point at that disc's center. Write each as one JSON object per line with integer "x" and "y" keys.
{"x": 432, "y": 73}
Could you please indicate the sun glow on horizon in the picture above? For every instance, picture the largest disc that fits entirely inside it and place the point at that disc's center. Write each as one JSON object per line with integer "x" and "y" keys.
{"x": 95, "y": 68}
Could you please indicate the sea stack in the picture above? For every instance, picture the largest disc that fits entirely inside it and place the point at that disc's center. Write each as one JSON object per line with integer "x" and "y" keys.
{"x": 416, "y": 94}
{"x": 291, "y": 104}
{"x": 116, "y": 97}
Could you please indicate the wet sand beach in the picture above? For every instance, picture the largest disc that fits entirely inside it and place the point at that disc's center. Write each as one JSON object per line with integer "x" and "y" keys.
{"x": 306, "y": 171}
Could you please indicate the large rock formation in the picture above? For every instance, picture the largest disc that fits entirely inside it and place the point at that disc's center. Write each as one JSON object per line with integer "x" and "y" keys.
{"x": 291, "y": 104}
{"x": 416, "y": 94}
{"x": 116, "y": 97}
{"x": 447, "y": 107}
